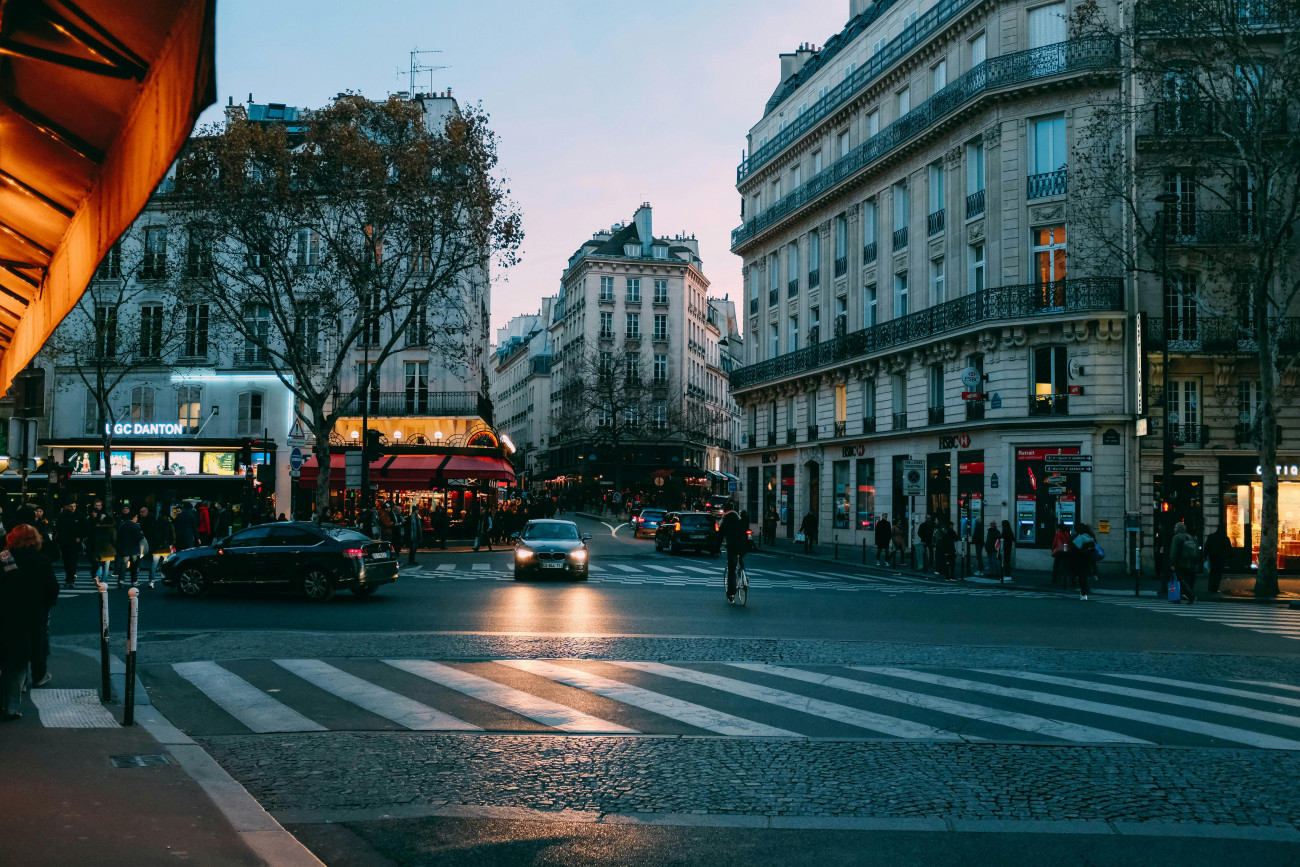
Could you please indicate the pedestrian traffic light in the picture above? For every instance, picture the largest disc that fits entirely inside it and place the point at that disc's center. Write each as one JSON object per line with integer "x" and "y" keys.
{"x": 374, "y": 450}
{"x": 246, "y": 453}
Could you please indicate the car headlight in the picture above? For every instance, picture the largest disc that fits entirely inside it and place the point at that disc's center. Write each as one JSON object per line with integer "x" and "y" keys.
{"x": 523, "y": 553}
{"x": 578, "y": 555}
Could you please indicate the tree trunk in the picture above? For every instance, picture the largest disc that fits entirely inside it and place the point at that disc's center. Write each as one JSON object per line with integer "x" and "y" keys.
{"x": 321, "y": 429}
{"x": 1266, "y": 577}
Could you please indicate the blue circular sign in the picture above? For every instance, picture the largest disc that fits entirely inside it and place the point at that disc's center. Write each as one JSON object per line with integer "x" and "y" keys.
{"x": 296, "y": 459}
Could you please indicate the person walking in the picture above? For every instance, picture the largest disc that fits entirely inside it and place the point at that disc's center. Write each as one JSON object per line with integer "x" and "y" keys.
{"x": 205, "y": 524}
{"x": 130, "y": 546}
{"x": 163, "y": 542}
{"x": 414, "y": 533}
{"x": 483, "y": 529}
{"x": 1185, "y": 555}
{"x": 898, "y": 543}
{"x": 223, "y": 521}
{"x": 1218, "y": 549}
{"x": 991, "y": 550}
{"x": 186, "y": 527}
{"x": 67, "y": 532}
{"x": 441, "y": 523}
{"x": 945, "y": 550}
{"x": 1061, "y": 556}
{"x": 977, "y": 544}
{"x": 1082, "y": 556}
{"x": 1008, "y": 548}
{"x": 926, "y": 534}
{"x": 808, "y": 528}
{"x": 884, "y": 535}
{"x": 105, "y": 546}
{"x": 30, "y": 589}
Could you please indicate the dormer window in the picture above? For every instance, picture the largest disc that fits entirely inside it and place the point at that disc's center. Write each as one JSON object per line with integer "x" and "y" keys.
{"x": 660, "y": 252}
{"x": 632, "y": 250}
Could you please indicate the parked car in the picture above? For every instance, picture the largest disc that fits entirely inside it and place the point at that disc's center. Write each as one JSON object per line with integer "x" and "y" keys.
{"x": 681, "y": 530}
{"x": 647, "y": 522}
{"x": 316, "y": 561}
{"x": 551, "y": 547}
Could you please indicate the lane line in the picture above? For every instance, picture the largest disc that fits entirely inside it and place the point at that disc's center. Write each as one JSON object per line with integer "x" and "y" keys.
{"x": 1011, "y": 719}
{"x": 534, "y": 707}
{"x": 1206, "y": 687}
{"x": 889, "y": 725}
{"x": 1214, "y": 730}
{"x": 1271, "y": 684}
{"x": 379, "y": 701}
{"x": 663, "y": 705}
{"x": 255, "y": 709}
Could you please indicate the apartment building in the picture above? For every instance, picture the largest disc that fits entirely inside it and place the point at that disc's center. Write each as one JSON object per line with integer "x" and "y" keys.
{"x": 909, "y": 292}
{"x": 521, "y": 390}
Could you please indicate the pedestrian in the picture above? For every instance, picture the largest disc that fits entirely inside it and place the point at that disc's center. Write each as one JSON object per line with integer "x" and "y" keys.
{"x": 89, "y": 520}
{"x": 1185, "y": 555}
{"x": 130, "y": 546}
{"x": 43, "y": 526}
{"x": 1008, "y": 548}
{"x": 224, "y": 523}
{"x": 945, "y": 549}
{"x": 898, "y": 544}
{"x": 884, "y": 535}
{"x": 30, "y": 589}
{"x": 1082, "y": 555}
{"x": 926, "y": 534}
{"x": 808, "y": 529}
{"x": 205, "y": 524}
{"x": 440, "y": 523}
{"x": 186, "y": 527}
{"x": 1061, "y": 556}
{"x": 67, "y": 531}
{"x": 105, "y": 546}
{"x": 483, "y": 529}
{"x": 414, "y": 533}
{"x": 1218, "y": 550}
{"x": 992, "y": 549}
{"x": 977, "y": 543}
{"x": 163, "y": 542}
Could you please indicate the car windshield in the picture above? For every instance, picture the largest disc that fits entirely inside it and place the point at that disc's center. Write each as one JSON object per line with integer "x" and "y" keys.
{"x": 343, "y": 534}
{"x": 694, "y": 521}
{"x": 551, "y": 533}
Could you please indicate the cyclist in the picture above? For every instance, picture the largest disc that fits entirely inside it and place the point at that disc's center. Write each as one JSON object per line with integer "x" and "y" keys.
{"x": 733, "y": 531}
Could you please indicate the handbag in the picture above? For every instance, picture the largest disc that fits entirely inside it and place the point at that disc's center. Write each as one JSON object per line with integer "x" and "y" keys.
{"x": 1173, "y": 590}
{"x": 1098, "y": 552}
{"x": 800, "y": 537}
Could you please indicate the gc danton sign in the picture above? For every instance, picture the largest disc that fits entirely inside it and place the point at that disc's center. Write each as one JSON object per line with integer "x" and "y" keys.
{"x": 143, "y": 430}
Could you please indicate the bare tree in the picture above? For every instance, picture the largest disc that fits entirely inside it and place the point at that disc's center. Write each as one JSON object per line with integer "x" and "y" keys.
{"x": 123, "y": 323}
{"x": 1206, "y": 114}
{"x": 365, "y": 224}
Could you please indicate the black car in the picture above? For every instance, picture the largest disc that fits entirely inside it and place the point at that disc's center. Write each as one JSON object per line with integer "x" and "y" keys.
{"x": 551, "y": 547}
{"x": 681, "y": 530}
{"x": 317, "y": 561}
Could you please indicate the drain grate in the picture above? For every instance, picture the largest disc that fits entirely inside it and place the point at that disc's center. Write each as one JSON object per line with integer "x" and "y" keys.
{"x": 145, "y": 761}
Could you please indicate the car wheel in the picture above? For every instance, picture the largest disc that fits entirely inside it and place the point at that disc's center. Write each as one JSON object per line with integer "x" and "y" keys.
{"x": 581, "y": 576}
{"x": 519, "y": 576}
{"x": 316, "y": 585}
{"x": 366, "y": 591}
{"x": 192, "y": 582}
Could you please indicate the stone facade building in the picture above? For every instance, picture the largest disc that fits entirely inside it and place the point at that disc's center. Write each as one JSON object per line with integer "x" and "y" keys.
{"x": 521, "y": 390}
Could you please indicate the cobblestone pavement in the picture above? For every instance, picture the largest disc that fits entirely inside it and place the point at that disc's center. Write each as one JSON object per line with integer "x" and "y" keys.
{"x": 298, "y": 775}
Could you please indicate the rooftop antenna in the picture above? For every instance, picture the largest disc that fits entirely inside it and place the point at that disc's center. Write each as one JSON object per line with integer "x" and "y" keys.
{"x": 419, "y": 68}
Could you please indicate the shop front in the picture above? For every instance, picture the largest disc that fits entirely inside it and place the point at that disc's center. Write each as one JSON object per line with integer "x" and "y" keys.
{"x": 1242, "y": 490}
{"x": 1044, "y": 498}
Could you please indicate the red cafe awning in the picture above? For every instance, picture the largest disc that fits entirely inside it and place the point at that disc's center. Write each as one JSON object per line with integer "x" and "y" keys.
{"x": 96, "y": 99}
{"x": 406, "y": 472}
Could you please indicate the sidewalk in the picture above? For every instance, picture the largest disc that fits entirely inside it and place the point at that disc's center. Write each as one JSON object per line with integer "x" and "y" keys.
{"x": 66, "y": 800}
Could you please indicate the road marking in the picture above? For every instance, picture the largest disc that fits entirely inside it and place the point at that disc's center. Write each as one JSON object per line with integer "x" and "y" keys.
{"x": 1206, "y": 687}
{"x": 613, "y": 531}
{"x": 713, "y": 573}
{"x": 379, "y": 701}
{"x": 525, "y": 704}
{"x": 1151, "y": 695}
{"x": 663, "y": 705}
{"x": 446, "y": 567}
{"x": 481, "y": 567}
{"x": 1227, "y": 733}
{"x": 245, "y": 702}
{"x": 622, "y": 568}
{"x": 1269, "y": 683}
{"x": 894, "y": 726}
{"x": 1010, "y": 719}
{"x": 665, "y": 569}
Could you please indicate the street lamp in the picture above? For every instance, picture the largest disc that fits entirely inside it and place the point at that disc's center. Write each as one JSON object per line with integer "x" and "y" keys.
{"x": 1163, "y": 517}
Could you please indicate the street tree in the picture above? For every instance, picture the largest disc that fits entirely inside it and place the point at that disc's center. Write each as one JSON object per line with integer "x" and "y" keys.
{"x": 123, "y": 323}
{"x": 1206, "y": 117}
{"x": 360, "y": 226}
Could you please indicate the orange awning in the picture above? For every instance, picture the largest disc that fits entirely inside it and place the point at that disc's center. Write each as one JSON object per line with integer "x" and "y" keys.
{"x": 415, "y": 472}
{"x": 96, "y": 100}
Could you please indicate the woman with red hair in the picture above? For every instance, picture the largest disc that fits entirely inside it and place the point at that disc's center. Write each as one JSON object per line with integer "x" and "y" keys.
{"x": 29, "y": 589}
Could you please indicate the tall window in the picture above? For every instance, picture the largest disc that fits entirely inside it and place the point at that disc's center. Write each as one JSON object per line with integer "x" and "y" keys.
{"x": 904, "y": 101}
{"x": 873, "y": 123}
{"x": 111, "y": 266}
{"x": 978, "y": 50}
{"x": 417, "y": 330}
{"x": 90, "y": 417}
{"x": 257, "y": 330}
{"x": 810, "y": 410}
{"x": 154, "y": 265}
{"x": 633, "y": 289}
{"x": 792, "y": 335}
{"x": 370, "y": 320}
{"x": 604, "y": 416}
{"x": 417, "y": 386}
{"x": 1181, "y": 315}
{"x": 1047, "y": 25}
{"x": 195, "y": 336}
{"x": 632, "y": 367}
{"x": 1049, "y": 145}
{"x": 606, "y": 324}
{"x": 1048, "y": 250}
{"x": 868, "y": 399}
{"x": 939, "y": 76}
{"x": 661, "y": 368}
{"x": 841, "y": 245}
{"x": 633, "y": 324}
{"x": 307, "y": 252}
{"x": 869, "y": 313}
{"x": 605, "y": 364}
{"x": 198, "y": 255}
{"x": 1049, "y": 371}
{"x": 898, "y": 400}
{"x": 792, "y": 268}
{"x": 1181, "y": 214}
{"x": 814, "y": 255}
{"x": 1247, "y": 402}
{"x": 106, "y": 331}
{"x": 661, "y": 326}
{"x": 188, "y": 408}
{"x": 151, "y": 330}
{"x": 841, "y": 404}
{"x": 868, "y": 225}
{"x": 936, "y": 222}
{"x": 660, "y": 412}
{"x": 661, "y": 292}
{"x": 974, "y": 168}
{"x": 817, "y": 161}
{"x": 937, "y": 292}
{"x": 900, "y": 294}
{"x": 773, "y": 340}
{"x": 900, "y": 207}
{"x": 842, "y": 144}
{"x": 976, "y": 268}
{"x": 1185, "y": 410}
{"x": 606, "y": 288}
{"x": 774, "y": 277}
{"x": 142, "y": 404}
{"x": 936, "y": 386}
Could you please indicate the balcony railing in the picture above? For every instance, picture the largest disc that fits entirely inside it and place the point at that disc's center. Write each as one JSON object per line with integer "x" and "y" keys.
{"x": 1047, "y": 184}
{"x": 841, "y": 326}
{"x": 812, "y": 432}
{"x": 934, "y": 222}
{"x": 1192, "y": 117}
{"x": 869, "y": 424}
{"x": 773, "y": 296}
{"x": 1157, "y": 15}
{"x": 792, "y": 288}
{"x": 975, "y": 204}
{"x": 1190, "y": 435}
{"x": 435, "y": 404}
{"x": 841, "y": 428}
{"x": 814, "y": 278}
{"x": 1049, "y": 404}
{"x": 1076, "y": 55}
{"x": 1249, "y": 434}
{"x": 1191, "y": 226}
{"x": 1079, "y": 295}
{"x": 771, "y": 438}
{"x": 1218, "y": 335}
{"x": 898, "y": 421}
{"x": 935, "y": 415}
{"x": 814, "y": 335}
{"x": 868, "y": 253}
{"x": 900, "y": 238}
{"x": 841, "y": 266}
{"x": 974, "y": 410}
{"x": 791, "y": 436}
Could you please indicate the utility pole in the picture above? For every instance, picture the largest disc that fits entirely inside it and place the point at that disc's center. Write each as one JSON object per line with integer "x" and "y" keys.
{"x": 1163, "y": 515}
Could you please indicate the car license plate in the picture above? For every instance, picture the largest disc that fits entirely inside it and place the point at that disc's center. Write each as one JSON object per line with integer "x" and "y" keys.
{"x": 552, "y": 565}
{"x": 379, "y": 555}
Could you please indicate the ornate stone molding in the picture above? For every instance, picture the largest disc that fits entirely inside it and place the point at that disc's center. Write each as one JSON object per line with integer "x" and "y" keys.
{"x": 812, "y": 453}
{"x": 1013, "y": 338}
{"x": 936, "y": 248}
{"x": 975, "y": 232}
{"x": 1047, "y": 213}
{"x": 1075, "y": 332}
{"x": 953, "y": 157}
{"x": 1110, "y": 330}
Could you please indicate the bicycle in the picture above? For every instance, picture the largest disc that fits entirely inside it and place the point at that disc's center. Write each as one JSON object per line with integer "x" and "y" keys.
{"x": 741, "y": 596}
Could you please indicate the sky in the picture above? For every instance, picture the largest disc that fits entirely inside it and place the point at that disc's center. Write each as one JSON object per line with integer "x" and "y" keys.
{"x": 598, "y": 105}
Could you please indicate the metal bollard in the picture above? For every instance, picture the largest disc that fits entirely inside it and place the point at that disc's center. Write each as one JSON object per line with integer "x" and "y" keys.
{"x": 105, "y": 682}
{"x": 837, "y": 548}
{"x": 864, "y": 552}
{"x": 128, "y": 712}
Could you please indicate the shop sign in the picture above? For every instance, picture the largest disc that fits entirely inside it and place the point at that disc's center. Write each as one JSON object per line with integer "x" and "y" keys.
{"x": 137, "y": 429}
{"x": 854, "y": 451}
{"x": 996, "y": 401}
{"x": 974, "y": 468}
{"x": 970, "y": 377}
{"x": 1283, "y": 470}
{"x": 1103, "y": 526}
{"x": 913, "y": 477}
{"x": 954, "y": 441}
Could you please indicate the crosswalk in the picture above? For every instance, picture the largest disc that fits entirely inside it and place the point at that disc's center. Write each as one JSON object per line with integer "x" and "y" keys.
{"x": 631, "y": 697}
{"x": 1265, "y": 619}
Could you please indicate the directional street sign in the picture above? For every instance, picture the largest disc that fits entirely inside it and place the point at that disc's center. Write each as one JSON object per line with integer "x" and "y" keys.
{"x": 1068, "y": 463}
{"x": 352, "y": 469}
{"x": 1056, "y": 479}
{"x": 1055, "y": 489}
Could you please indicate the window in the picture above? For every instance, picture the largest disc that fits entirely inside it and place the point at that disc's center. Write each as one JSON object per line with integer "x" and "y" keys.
{"x": 605, "y": 363}
{"x": 840, "y": 480}
{"x": 1049, "y": 254}
{"x": 841, "y": 245}
{"x": 257, "y": 328}
{"x": 198, "y": 255}
{"x": 370, "y": 320}
{"x": 841, "y": 316}
{"x": 188, "y": 408}
{"x": 878, "y": 45}
{"x": 792, "y": 336}
{"x": 661, "y": 292}
{"x": 1049, "y": 371}
{"x": 936, "y": 386}
{"x": 1181, "y": 215}
{"x": 151, "y": 331}
{"x": 307, "y": 252}
{"x": 633, "y": 289}
{"x": 661, "y": 369}
{"x": 1181, "y": 315}
{"x": 974, "y": 167}
{"x": 898, "y": 400}
{"x": 937, "y": 292}
{"x": 632, "y": 367}
{"x": 792, "y": 268}
{"x": 105, "y": 331}
{"x": 814, "y": 324}
{"x": 849, "y": 70}
{"x": 866, "y": 471}
{"x": 753, "y": 424}
{"x": 816, "y": 161}
{"x": 660, "y": 416}
{"x": 822, "y": 91}
{"x": 606, "y": 288}
{"x": 904, "y": 101}
{"x": 900, "y": 206}
{"x": 774, "y": 277}
{"x": 939, "y": 76}
{"x": 142, "y": 405}
{"x": 1247, "y": 402}
{"x": 195, "y": 336}
{"x": 661, "y": 326}
{"x": 776, "y": 191}
{"x": 632, "y": 415}
{"x": 935, "y": 221}
{"x": 869, "y": 315}
{"x": 842, "y": 144}
{"x": 606, "y": 325}
{"x": 371, "y": 395}
{"x": 810, "y": 411}
{"x": 154, "y": 265}
{"x": 841, "y": 404}
{"x": 604, "y": 416}
{"x": 1048, "y": 142}
{"x": 632, "y": 251}
{"x": 978, "y": 50}
{"x": 976, "y": 268}
{"x": 814, "y": 257}
{"x": 868, "y": 399}
{"x": 418, "y": 332}
{"x": 111, "y": 266}
{"x": 758, "y": 203}
{"x": 868, "y": 223}
{"x": 634, "y": 325}
{"x": 416, "y": 384}
{"x": 794, "y": 178}
{"x": 1184, "y": 410}
{"x": 1047, "y": 25}
{"x": 900, "y": 294}
{"x": 872, "y": 124}
{"x": 90, "y": 417}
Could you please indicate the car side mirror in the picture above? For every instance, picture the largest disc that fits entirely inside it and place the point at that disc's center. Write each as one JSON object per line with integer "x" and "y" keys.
{"x": 514, "y": 537}
{"x": 586, "y": 536}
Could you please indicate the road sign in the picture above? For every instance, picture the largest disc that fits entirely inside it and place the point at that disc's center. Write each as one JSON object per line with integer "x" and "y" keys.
{"x": 1068, "y": 463}
{"x": 733, "y": 487}
{"x": 970, "y": 377}
{"x": 972, "y": 395}
{"x": 995, "y": 402}
{"x": 1055, "y": 489}
{"x": 296, "y": 459}
{"x": 296, "y": 434}
{"x": 352, "y": 469}
{"x": 1056, "y": 479}
{"x": 913, "y": 477}
{"x": 294, "y": 474}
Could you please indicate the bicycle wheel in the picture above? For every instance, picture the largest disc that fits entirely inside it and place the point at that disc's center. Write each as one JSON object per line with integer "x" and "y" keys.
{"x": 742, "y": 587}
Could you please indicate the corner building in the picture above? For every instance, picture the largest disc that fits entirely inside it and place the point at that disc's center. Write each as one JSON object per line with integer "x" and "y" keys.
{"x": 906, "y": 220}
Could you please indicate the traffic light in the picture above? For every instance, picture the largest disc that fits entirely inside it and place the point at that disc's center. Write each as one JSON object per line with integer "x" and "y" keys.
{"x": 246, "y": 453}
{"x": 265, "y": 474}
{"x": 374, "y": 450}
{"x": 1172, "y": 457}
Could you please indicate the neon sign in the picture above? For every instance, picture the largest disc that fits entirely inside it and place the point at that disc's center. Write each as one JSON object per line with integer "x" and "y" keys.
{"x": 136, "y": 429}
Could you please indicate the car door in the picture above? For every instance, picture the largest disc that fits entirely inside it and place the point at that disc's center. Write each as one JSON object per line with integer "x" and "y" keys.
{"x": 288, "y": 550}
{"x": 242, "y": 556}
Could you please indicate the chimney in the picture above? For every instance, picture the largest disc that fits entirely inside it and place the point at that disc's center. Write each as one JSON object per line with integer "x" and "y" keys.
{"x": 644, "y": 227}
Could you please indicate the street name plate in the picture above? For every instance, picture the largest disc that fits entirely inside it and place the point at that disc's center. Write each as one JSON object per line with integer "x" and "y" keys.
{"x": 1055, "y": 489}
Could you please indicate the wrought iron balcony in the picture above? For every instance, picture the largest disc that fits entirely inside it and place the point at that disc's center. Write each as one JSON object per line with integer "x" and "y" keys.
{"x": 974, "y": 410}
{"x": 1192, "y": 226}
{"x": 868, "y": 253}
{"x": 771, "y": 438}
{"x": 900, "y": 238}
{"x": 841, "y": 266}
{"x": 434, "y": 404}
{"x": 792, "y": 288}
{"x": 1217, "y": 335}
{"x": 841, "y": 325}
{"x": 773, "y": 296}
{"x": 899, "y": 420}
{"x": 812, "y": 432}
{"x": 606, "y": 298}
{"x": 1173, "y": 17}
{"x": 791, "y": 436}
{"x": 935, "y": 415}
{"x": 814, "y": 335}
{"x": 934, "y": 222}
{"x": 1047, "y": 184}
{"x": 975, "y": 204}
{"x": 1076, "y": 55}
{"x": 1194, "y": 117}
{"x": 1049, "y": 404}
{"x": 841, "y": 428}
{"x": 869, "y": 424}
{"x": 1248, "y": 434}
{"x": 1189, "y": 435}
{"x": 814, "y": 278}
{"x": 1080, "y": 295}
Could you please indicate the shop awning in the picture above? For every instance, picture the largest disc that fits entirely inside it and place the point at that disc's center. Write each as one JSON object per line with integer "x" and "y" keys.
{"x": 716, "y": 476}
{"x": 415, "y": 472}
{"x": 96, "y": 100}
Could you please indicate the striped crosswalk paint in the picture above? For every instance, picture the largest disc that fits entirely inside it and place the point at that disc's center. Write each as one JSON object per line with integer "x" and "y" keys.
{"x": 245, "y": 702}
{"x": 1209, "y": 687}
{"x": 1214, "y": 730}
{"x": 622, "y": 568}
{"x": 1271, "y": 684}
{"x": 446, "y": 567}
{"x": 525, "y": 704}
{"x": 379, "y": 701}
{"x": 663, "y": 705}
{"x": 482, "y": 567}
{"x": 1011, "y": 719}
{"x": 894, "y": 726}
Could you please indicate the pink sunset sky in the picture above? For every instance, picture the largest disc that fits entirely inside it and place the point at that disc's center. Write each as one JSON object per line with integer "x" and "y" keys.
{"x": 599, "y": 106}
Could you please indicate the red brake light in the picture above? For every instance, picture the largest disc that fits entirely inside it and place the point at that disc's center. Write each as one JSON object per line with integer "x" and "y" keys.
{"x": 355, "y": 553}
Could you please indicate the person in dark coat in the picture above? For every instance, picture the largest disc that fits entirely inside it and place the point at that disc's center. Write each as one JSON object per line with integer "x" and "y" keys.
{"x": 734, "y": 532}
{"x": 1218, "y": 549}
{"x": 414, "y": 533}
{"x": 187, "y": 527}
{"x": 926, "y": 534}
{"x": 30, "y": 589}
{"x": 808, "y": 526}
{"x": 67, "y": 532}
{"x": 945, "y": 550}
{"x": 130, "y": 546}
{"x": 104, "y": 546}
{"x": 440, "y": 524}
{"x": 991, "y": 539}
{"x": 884, "y": 533}
{"x": 977, "y": 543}
{"x": 1008, "y": 546}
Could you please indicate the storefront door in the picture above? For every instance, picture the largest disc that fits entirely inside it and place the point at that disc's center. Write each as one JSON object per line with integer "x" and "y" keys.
{"x": 787, "y": 499}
